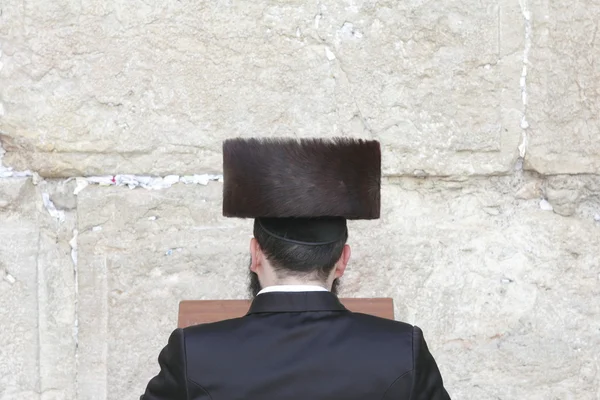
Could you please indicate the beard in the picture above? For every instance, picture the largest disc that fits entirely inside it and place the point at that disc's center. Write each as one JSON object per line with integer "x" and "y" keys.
{"x": 254, "y": 285}
{"x": 335, "y": 286}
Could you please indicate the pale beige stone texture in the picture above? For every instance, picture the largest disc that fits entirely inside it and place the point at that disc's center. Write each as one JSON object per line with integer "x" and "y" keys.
{"x": 574, "y": 195}
{"x": 105, "y": 87}
{"x": 564, "y": 88}
{"x": 501, "y": 288}
{"x": 19, "y": 374}
{"x": 57, "y": 297}
{"x": 37, "y": 294}
{"x": 140, "y": 253}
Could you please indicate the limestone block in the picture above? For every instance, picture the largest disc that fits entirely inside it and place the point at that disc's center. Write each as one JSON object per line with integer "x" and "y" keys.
{"x": 99, "y": 87}
{"x": 500, "y": 287}
{"x": 564, "y": 99}
{"x": 57, "y": 298}
{"x": 140, "y": 253}
{"x": 37, "y": 295}
{"x": 19, "y": 376}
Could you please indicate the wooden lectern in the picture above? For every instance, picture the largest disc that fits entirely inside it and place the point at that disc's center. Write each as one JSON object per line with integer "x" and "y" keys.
{"x": 193, "y": 312}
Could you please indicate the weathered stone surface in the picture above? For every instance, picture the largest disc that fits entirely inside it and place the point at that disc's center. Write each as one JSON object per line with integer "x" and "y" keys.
{"x": 98, "y": 87}
{"x": 500, "y": 287}
{"x": 37, "y": 297}
{"x": 574, "y": 195}
{"x": 57, "y": 298}
{"x": 564, "y": 89}
{"x": 19, "y": 377}
{"x": 140, "y": 253}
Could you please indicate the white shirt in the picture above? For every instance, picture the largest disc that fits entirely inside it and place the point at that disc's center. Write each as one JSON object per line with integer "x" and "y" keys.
{"x": 293, "y": 288}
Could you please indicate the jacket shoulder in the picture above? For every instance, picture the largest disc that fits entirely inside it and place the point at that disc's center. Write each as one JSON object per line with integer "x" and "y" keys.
{"x": 211, "y": 327}
{"x": 382, "y": 323}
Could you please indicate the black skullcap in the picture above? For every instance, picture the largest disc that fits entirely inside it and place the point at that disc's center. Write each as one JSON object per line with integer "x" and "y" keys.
{"x": 305, "y": 231}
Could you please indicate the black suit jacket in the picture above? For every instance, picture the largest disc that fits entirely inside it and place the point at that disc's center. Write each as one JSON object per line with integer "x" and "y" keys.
{"x": 297, "y": 346}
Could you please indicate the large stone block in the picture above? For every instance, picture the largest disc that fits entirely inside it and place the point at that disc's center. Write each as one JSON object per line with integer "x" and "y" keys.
{"x": 37, "y": 297}
{"x": 499, "y": 286}
{"x": 140, "y": 253}
{"x": 19, "y": 377}
{"x": 564, "y": 85}
{"x": 99, "y": 87}
{"x": 57, "y": 297}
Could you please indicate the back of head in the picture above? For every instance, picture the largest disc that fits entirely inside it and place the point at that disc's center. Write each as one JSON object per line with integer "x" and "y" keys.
{"x": 289, "y": 257}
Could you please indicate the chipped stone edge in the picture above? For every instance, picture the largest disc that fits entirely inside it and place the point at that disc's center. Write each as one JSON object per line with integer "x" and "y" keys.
{"x": 8, "y": 172}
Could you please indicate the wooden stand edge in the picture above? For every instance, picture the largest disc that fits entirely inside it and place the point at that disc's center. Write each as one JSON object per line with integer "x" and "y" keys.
{"x": 193, "y": 312}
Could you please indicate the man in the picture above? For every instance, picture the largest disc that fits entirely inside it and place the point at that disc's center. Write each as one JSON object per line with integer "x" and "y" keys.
{"x": 298, "y": 341}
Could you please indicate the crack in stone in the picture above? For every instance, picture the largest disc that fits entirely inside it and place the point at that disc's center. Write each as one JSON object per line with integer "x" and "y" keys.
{"x": 39, "y": 308}
{"x": 359, "y": 113}
{"x": 74, "y": 253}
{"x": 146, "y": 182}
{"x": 523, "y": 80}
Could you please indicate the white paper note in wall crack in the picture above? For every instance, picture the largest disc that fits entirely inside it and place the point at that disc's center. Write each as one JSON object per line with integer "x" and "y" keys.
{"x": 52, "y": 210}
{"x": 146, "y": 182}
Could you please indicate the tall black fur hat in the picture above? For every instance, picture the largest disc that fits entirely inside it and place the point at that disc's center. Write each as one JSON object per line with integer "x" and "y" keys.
{"x": 301, "y": 178}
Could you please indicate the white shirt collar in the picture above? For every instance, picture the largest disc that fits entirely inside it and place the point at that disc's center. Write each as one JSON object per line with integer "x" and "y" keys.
{"x": 293, "y": 288}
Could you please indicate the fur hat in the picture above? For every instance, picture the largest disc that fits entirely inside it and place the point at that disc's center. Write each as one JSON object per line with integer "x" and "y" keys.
{"x": 301, "y": 178}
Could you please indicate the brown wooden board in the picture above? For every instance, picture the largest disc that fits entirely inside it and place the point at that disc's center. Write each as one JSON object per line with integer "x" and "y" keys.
{"x": 193, "y": 312}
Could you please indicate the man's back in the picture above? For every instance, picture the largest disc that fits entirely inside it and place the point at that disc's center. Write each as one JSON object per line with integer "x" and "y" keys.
{"x": 302, "y": 345}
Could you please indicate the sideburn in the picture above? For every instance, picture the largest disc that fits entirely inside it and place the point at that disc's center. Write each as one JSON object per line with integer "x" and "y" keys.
{"x": 254, "y": 285}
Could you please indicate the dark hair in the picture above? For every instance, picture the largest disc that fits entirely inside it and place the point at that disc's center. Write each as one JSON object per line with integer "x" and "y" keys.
{"x": 297, "y": 259}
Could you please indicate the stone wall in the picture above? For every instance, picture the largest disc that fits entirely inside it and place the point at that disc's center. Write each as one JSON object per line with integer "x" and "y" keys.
{"x": 112, "y": 114}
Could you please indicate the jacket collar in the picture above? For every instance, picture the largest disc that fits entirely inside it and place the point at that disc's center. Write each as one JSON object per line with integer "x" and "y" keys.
{"x": 293, "y": 288}
{"x": 278, "y": 302}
